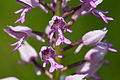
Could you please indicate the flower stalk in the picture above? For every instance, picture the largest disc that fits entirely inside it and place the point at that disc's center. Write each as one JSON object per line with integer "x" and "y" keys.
{"x": 73, "y": 65}
{"x": 56, "y": 75}
{"x": 43, "y": 69}
{"x": 47, "y": 5}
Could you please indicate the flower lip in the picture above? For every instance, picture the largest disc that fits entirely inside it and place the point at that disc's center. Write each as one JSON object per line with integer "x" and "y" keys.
{"x": 102, "y": 15}
{"x": 106, "y": 46}
{"x": 28, "y": 5}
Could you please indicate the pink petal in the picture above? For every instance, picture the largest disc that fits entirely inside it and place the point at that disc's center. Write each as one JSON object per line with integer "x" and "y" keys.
{"x": 113, "y": 50}
{"x": 52, "y": 68}
{"x": 93, "y": 4}
{"x": 59, "y": 66}
{"x": 18, "y": 11}
{"x": 78, "y": 48}
{"x": 58, "y": 42}
{"x": 67, "y": 41}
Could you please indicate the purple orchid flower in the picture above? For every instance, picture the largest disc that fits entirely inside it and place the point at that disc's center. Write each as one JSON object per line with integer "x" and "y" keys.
{"x": 47, "y": 54}
{"x": 29, "y": 4}
{"x": 90, "y": 69}
{"x": 88, "y": 6}
{"x": 92, "y": 38}
{"x": 95, "y": 59}
{"x": 56, "y": 24}
{"x": 28, "y": 54}
{"x": 21, "y": 33}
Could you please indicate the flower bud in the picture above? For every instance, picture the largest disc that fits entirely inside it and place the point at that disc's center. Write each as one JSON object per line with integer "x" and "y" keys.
{"x": 76, "y": 77}
{"x": 95, "y": 54}
{"x": 94, "y": 37}
{"x": 10, "y": 78}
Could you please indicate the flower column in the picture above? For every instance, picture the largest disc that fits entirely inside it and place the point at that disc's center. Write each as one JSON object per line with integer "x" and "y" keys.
{"x": 56, "y": 75}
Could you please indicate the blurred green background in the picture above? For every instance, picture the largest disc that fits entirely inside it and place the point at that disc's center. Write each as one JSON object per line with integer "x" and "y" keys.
{"x": 37, "y": 20}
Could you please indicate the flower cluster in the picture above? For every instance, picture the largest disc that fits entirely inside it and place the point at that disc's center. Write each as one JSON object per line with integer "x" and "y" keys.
{"x": 54, "y": 32}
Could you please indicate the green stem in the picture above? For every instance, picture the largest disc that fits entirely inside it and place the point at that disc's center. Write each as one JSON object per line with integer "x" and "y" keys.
{"x": 58, "y": 12}
{"x": 56, "y": 75}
